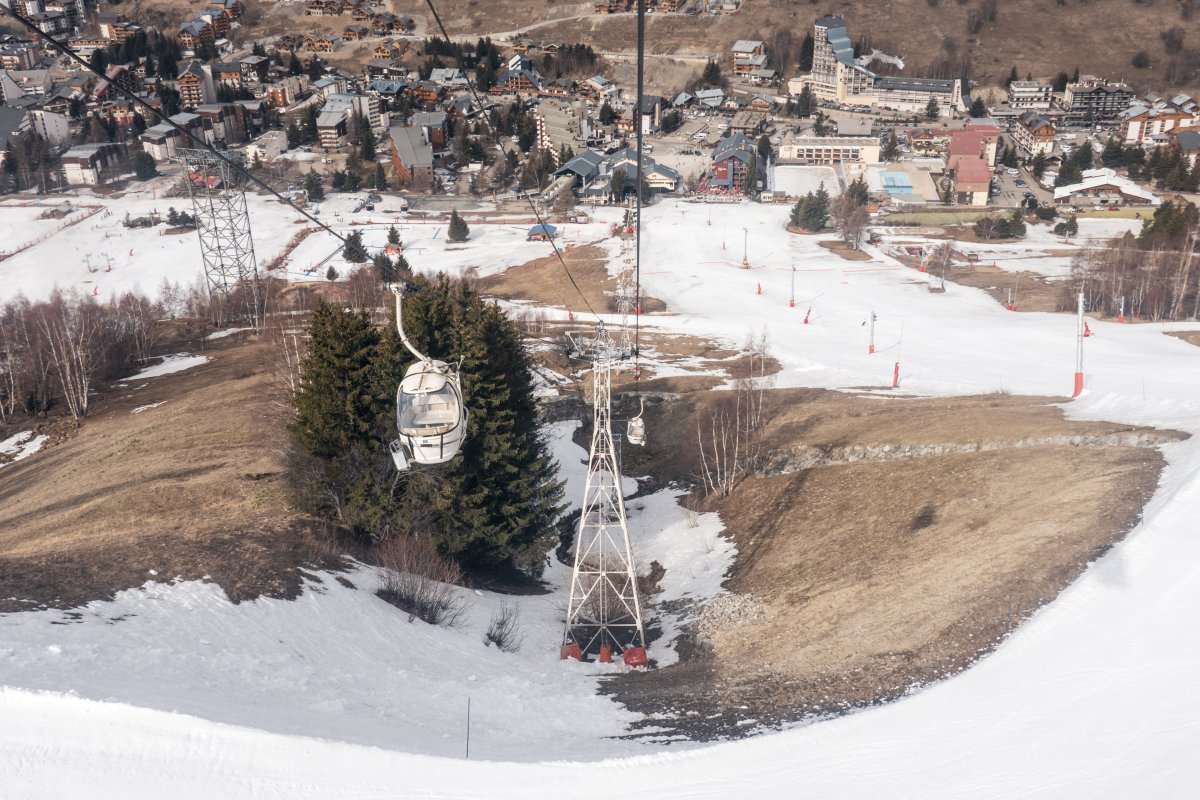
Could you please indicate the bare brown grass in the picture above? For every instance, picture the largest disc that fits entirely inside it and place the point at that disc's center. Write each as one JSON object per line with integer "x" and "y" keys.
{"x": 544, "y": 281}
{"x": 874, "y": 576}
{"x": 844, "y": 250}
{"x": 191, "y": 488}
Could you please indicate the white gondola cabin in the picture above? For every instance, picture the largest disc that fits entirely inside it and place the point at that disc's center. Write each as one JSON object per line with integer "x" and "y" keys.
{"x": 431, "y": 418}
{"x": 635, "y": 431}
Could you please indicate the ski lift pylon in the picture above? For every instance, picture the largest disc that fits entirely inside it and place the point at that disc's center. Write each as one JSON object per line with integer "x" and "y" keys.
{"x": 431, "y": 418}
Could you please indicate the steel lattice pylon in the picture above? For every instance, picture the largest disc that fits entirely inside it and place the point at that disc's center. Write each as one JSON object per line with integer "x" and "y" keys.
{"x": 604, "y": 609}
{"x": 222, "y": 221}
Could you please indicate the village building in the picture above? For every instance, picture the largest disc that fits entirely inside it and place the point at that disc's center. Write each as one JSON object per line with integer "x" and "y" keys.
{"x": 1147, "y": 123}
{"x": 412, "y": 158}
{"x": 195, "y": 85}
{"x": 1187, "y": 143}
{"x": 838, "y": 77}
{"x": 731, "y": 165}
{"x": 1030, "y": 94}
{"x": 1104, "y": 186}
{"x": 748, "y": 55}
{"x": 1034, "y": 133}
{"x": 972, "y": 181}
{"x": 827, "y": 150}
{"x": 1090, "y": 100}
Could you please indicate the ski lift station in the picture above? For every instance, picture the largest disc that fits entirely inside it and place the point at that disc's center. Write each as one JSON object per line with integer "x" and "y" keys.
{"x": 543, "y": 232}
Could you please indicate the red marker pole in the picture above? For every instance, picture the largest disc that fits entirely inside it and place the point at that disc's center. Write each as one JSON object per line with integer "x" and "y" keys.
{"x": 806, "y": 313}
{"x": 1079, "y": 351}
{"x": 896, "y": 376}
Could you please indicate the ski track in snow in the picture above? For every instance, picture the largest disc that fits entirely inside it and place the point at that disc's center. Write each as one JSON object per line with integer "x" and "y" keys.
{"x": 1095, "y": 696}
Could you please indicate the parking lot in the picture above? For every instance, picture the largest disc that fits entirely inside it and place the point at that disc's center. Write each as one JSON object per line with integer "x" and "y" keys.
{"x": 1011, "y": 195}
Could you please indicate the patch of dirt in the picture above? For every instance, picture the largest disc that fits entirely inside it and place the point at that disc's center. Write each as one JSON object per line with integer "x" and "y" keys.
{"x": 845, "y": 251}
{"x": 1033, "y": 292}
{"x": 872, "y": 576}
{"x": 192, "y": 488}
{"x": 1191, "y": 337}
{"x": 543, "y": 281}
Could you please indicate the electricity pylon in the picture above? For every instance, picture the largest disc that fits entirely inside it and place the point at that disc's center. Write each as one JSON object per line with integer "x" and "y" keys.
{"x": 604, "y": 614}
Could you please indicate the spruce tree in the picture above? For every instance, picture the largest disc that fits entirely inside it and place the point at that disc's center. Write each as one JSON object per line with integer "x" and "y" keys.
{"x": 1038, "y": 165}
{"x": 393, "y": 235}
{"x": 805, "y": 62}
{"x": 335, "y": 407}
{"x": 891, "y": 148}
{"x": 1014, "y": 226}
{"x": 932, "y": 111}
{"x": 313, "y": 187}
{"x": 385, "y": 268}
{"x": 353, "y": 250}
{"x": 1068, "y": 174}
{"x": 497, "y": 501}
{"x": 457, "y": 230}
{"x": 819, "y": 209}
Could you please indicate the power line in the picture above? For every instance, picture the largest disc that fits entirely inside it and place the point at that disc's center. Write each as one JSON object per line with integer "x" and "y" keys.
{"x": 232, "y": 163}
{"x": 500, "y": 144}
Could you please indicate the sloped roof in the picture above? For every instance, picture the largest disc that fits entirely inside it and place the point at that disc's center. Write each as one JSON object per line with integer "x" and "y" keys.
{"x": 1189, "y": 141}
{"x": 410, "y": 144}
{"x": 973, "y": 174}
{"x": 11, "y": 122}
{"x": 585, "y": 165}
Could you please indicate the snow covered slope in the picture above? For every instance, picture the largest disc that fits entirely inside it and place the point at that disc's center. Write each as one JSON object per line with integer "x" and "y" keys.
{"x": 1095, "y": 697}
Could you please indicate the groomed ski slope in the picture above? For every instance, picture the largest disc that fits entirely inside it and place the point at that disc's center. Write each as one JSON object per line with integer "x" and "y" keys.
{"x": 1096, "y": 696}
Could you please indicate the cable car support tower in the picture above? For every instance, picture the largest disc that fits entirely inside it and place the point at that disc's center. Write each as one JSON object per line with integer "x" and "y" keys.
{"x": 222, "y": 224}
{"x": 604, "y": 614}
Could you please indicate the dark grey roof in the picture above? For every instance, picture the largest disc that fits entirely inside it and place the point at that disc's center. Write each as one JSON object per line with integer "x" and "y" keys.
{"x": 411, "y": 145}
{"x": 585, "y": 165}
{"x": 917, "y": 84}
{"x": 1188, "y": 140}
{"x": 10, "y": 122}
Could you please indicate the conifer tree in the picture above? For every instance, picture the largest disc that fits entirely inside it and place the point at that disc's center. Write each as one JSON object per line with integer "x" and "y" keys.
{"x": 385, "y": 268}
{"x": 313, "y": 187}
{"x": 457, "y": 230}
{"x": 335, "y": 407}
{"x": 353, "y": 250}
{"x": 496, "y": 503}
{"x": 393, "y": 235}
{"x": 891, "y": 148}
{"x": 1038, "y": 165}
{"x": 1014, "y": 226}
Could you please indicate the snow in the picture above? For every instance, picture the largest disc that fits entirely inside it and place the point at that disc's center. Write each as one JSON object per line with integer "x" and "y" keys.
{"x": 342, "y": 664}
{"x": 336, "y": 695}
{"x": 140, "y": 409}
{"x": 226, "y": 332}
{"x": 21, "y": 446}
{"x": 797, "y": 181}
{"x": 171, "y": 364}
